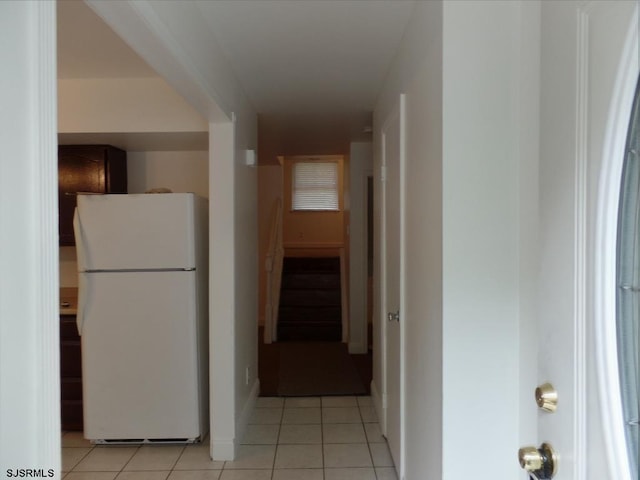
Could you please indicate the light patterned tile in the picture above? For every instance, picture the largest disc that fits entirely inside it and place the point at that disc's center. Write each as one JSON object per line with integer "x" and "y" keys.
{"x": 90, "y": 476}
{"x": 197, "y": 457}
{"x": 195, "y": 475}
{"x": 106, "y": 459}
{"x": 339, "y": 401}
{"x": 381, "y": 455}
{"x": 299, "y": 456}
{"x": 341, "y": 415}
{"x": 269, "y": 402}
{"x": 369, "y": 414}
{"x": 301, "y": 416}
{"x": 298, "y": 434}
{"x": 155, "y": 457}
{"x": 298, "y": 474}
{"x": 343, "y": 433}
{"x": 266, "y": 416}
{"x": 252, "y": 457}
{"x": 349, "y": 474}
{"x": 71, "y": 456}
{"x": 386, "y": 473}
{"x": 246, "y": 475}
{"x": 365, "y": 401}
{"x": 302, "y": 402}
{"x": 142, "y": 475}
{"x": 347, "y": 455}
{"x": 373, "y": 433}
{"x": 261, "y": 435}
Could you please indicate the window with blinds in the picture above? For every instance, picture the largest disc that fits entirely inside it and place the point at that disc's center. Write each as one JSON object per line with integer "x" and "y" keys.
{"x": 315, "y": 186}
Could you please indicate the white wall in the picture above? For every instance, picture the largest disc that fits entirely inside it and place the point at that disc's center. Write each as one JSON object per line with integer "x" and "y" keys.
{"x": 178, "y": 171}
{"x": 469, "y": 71}
{"x": 417, "y": 71}
{"x": 29, "y": 322}
{"x": 124, "y": 105}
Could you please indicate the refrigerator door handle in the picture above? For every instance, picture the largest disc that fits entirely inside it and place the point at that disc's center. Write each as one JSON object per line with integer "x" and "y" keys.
{"x": 83, "y": 294}
{"x": 83, "y": 279}
{"x": 80, "y": 246}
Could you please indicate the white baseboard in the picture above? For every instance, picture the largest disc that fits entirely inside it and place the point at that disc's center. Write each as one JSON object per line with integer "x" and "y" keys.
{"x": 222, "y": 449}
{"x": 378, "y": 404}
{"x": 247, "y": 411}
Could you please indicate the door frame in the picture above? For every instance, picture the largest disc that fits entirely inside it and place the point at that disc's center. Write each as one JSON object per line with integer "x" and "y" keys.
{"x": 398, "y": 112}
{"x": 604, "y": 254}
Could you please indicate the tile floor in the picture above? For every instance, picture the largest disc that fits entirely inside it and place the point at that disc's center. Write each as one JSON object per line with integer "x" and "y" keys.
{"x": 310, "y": 438}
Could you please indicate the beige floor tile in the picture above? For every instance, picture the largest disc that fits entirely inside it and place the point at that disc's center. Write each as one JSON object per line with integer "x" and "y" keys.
{"x": 195, "y": 475}
{"x": 343, "y": 433}
{"x": 155, "y": 457}
{"x": 90, "y": 476}
{"x": 106, "y": 459}
{"x": 261, "y": 435}
{"x": 368, "y": 414}
{"x": 252, "y": 457}
{"x": 246, "y": 475}
{"x": 339, "y": 401}
{"x": 197, "y": 457}
{"x": 381, "y": 455}
{"x": 269, "y": 402}
{"x": 349, "y": 474}
{"x": 298, "y": 474}
{"x": 75, "y": 439}
{"x": 373, "y": 433}
{"x": 302, "y": 402}
{"x": 347, "y": 455}
{"x": 143, "y": 475}
{"x": 299, "y": 456}
{"x": 386, "y": 473}
{"x": 300, "y": 416}
{"x": 365, "y": 401}
{"x": 341, "y": 415}
{"x": 71, "y": 456}
{"x": 266, "y": 416}
{"x": 298, "y": 434}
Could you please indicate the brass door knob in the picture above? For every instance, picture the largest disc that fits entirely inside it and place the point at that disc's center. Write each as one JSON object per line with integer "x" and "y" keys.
{"x": 541, "y": 463}
{"x": 530, "y": 459}
{"x": 547, "y": 397}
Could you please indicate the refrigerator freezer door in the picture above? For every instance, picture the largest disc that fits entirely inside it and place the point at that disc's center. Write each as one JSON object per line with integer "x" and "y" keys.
{"x": 135, "y": 232}
{"x": 140, "y": 356}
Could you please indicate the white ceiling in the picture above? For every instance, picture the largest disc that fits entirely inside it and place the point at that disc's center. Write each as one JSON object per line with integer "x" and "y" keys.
{"x": 297, "y": 60}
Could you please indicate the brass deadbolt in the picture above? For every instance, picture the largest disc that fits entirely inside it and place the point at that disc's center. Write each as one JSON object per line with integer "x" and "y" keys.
{"x": 547, "y": 397}
{"x": 541, "y": 463}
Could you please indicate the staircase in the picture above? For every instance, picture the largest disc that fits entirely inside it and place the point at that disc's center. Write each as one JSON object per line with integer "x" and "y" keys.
{"x": 310, "y": 300}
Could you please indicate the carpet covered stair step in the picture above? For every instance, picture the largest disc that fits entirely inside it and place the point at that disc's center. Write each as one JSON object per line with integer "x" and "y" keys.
{"x": 310, "y": 300}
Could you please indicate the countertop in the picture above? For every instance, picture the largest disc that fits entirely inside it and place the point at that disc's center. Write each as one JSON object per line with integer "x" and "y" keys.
{"x": 68, "y": 300}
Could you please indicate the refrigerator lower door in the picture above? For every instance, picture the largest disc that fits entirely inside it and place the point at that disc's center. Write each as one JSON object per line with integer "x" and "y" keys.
{"x": 139, "y": 357}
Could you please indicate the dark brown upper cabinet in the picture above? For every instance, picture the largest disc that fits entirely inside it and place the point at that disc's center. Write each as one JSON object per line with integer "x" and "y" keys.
{"x": 86, "y": 168}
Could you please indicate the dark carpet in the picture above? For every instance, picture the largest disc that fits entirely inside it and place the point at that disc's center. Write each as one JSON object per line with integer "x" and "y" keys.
{"x": 312, "y": 368}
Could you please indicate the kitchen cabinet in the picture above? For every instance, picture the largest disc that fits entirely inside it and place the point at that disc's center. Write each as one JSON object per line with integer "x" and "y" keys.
{"x": 86, "y": 168}
{"x": 70, "y": 374}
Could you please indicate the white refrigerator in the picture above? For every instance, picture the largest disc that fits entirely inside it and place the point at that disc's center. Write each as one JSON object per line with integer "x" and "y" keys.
{"x": 143, "y": 316}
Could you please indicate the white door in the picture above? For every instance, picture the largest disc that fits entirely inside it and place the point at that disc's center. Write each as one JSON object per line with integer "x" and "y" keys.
{"x": 589, "y": 63}
{"x": 392, "y": 139}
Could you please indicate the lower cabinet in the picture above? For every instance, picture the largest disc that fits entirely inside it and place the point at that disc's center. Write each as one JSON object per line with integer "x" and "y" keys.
{"x": 70, "y": 374}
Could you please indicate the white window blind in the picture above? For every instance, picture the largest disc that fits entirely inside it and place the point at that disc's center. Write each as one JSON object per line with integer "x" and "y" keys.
{"x": 315, "y": 186}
